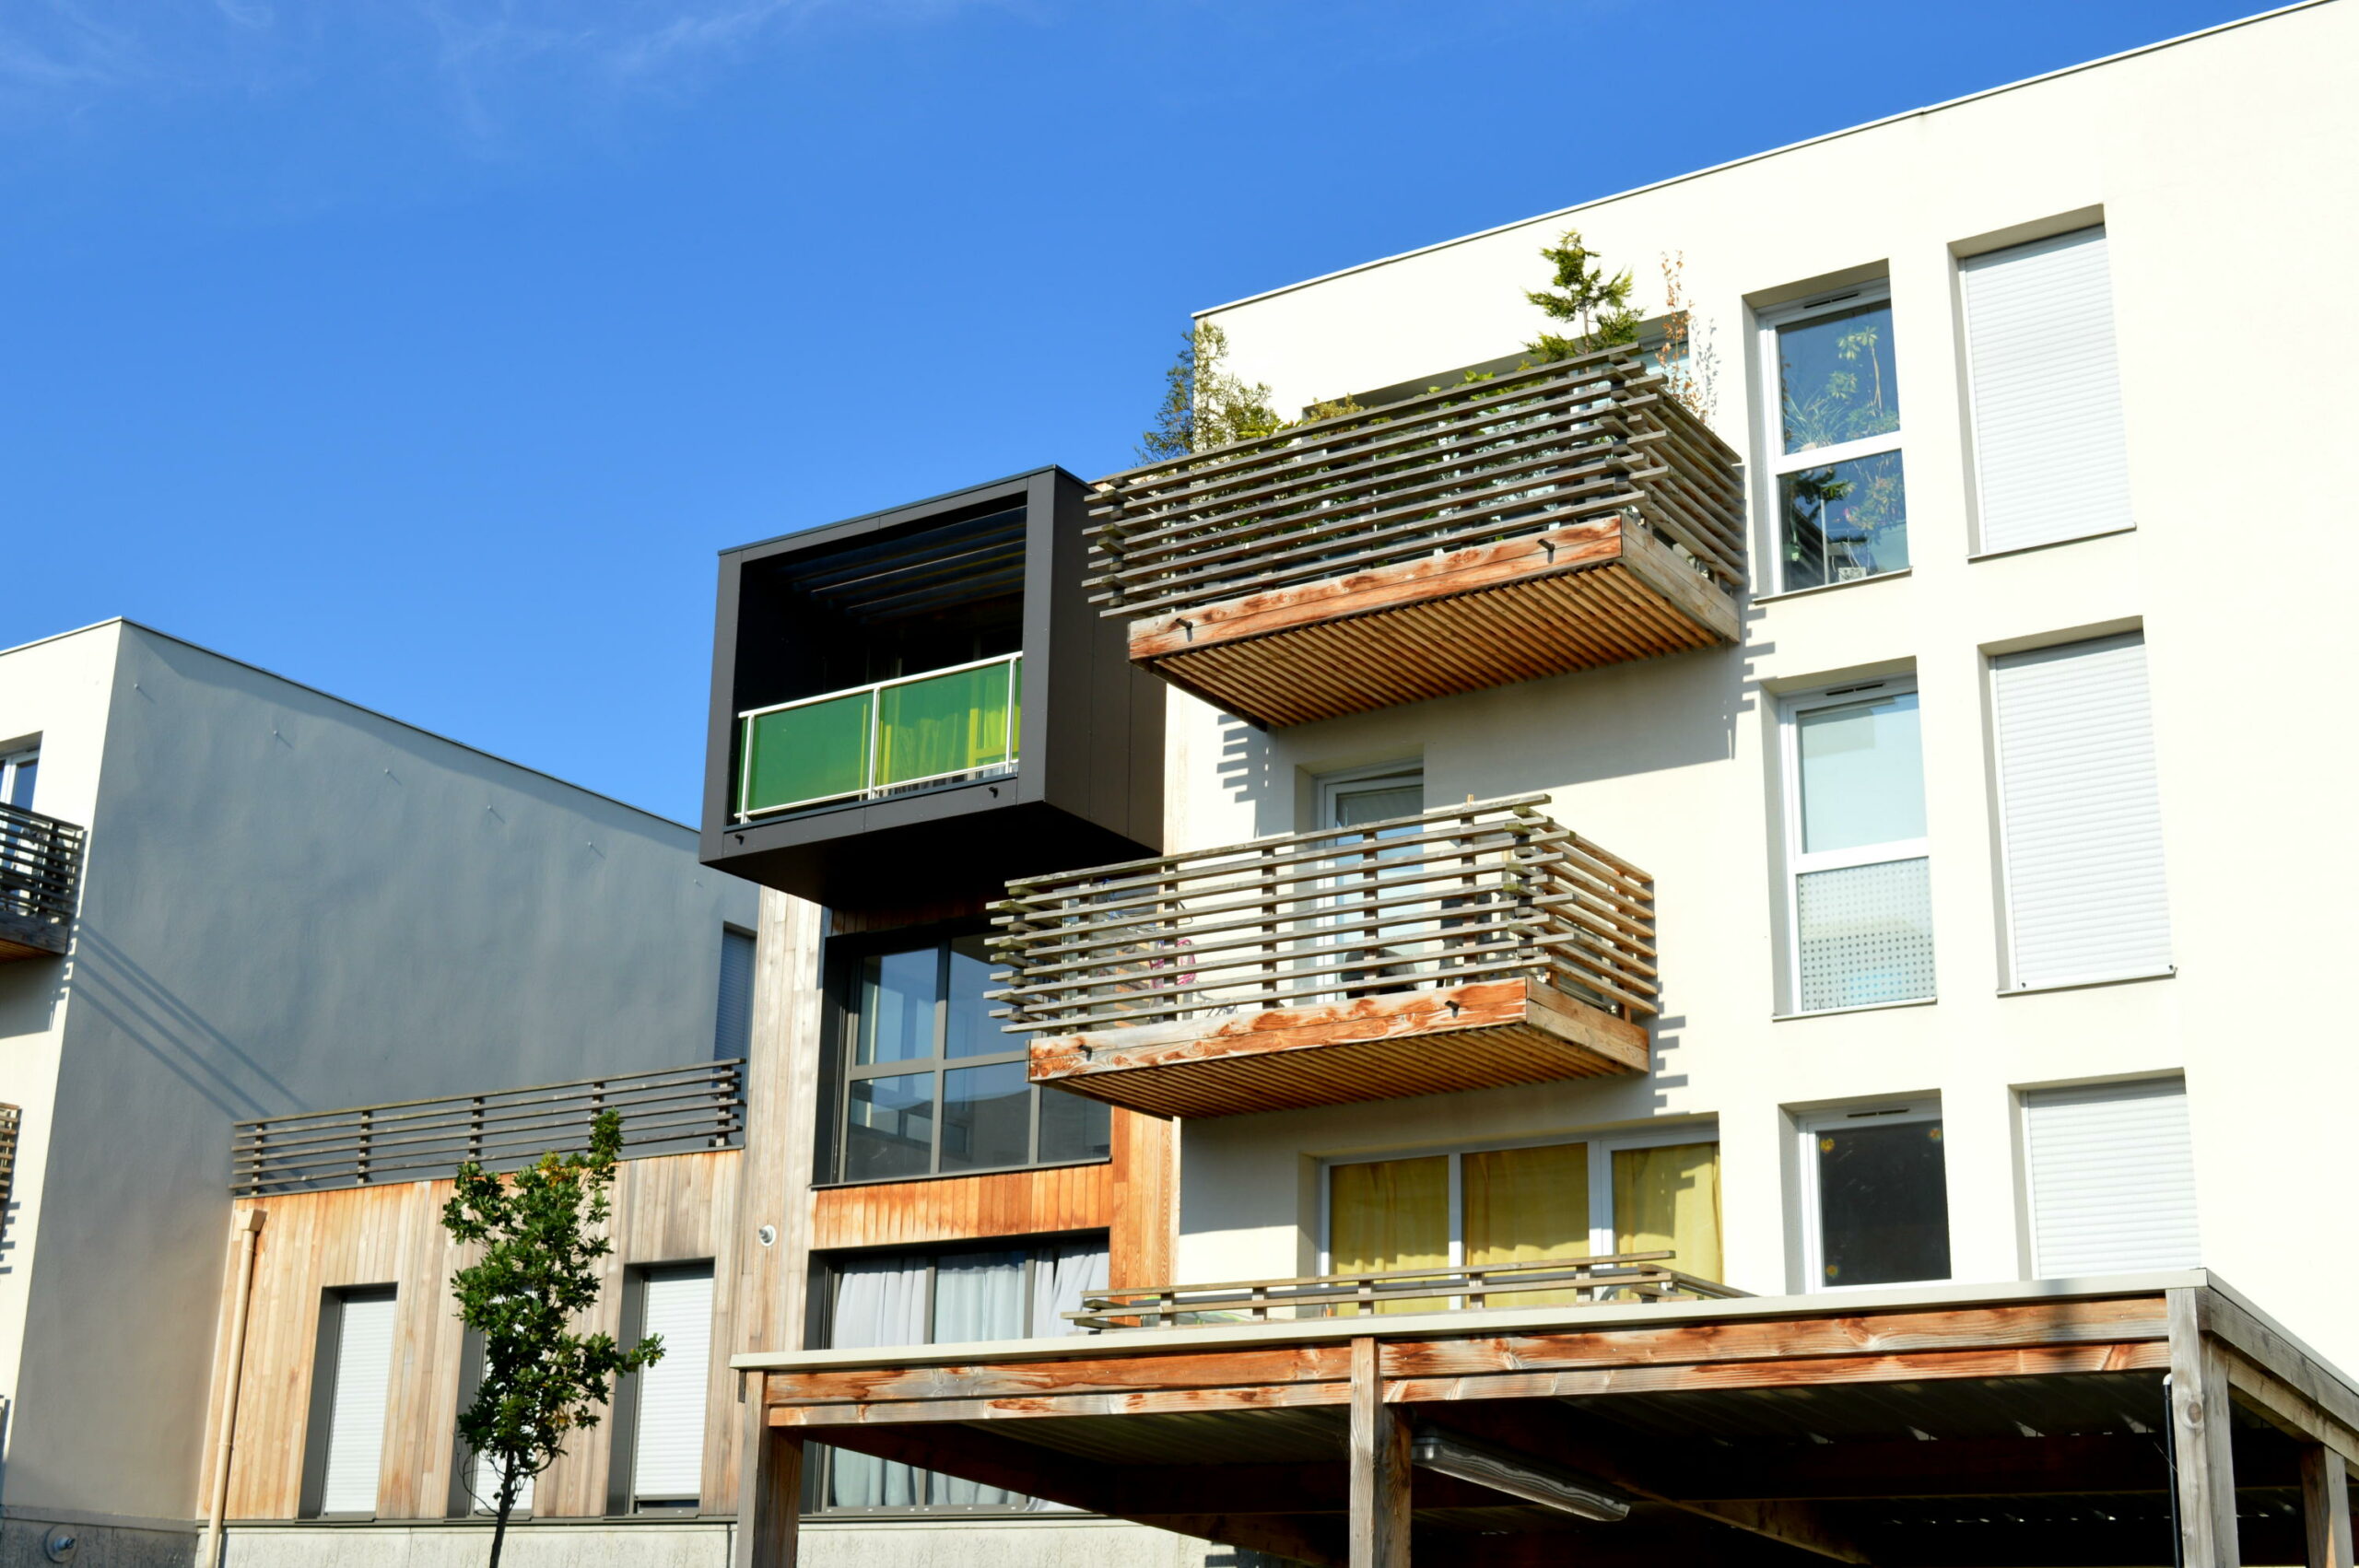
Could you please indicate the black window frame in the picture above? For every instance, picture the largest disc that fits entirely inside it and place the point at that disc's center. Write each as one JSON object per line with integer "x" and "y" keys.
{"x": 847, "y": 961}
{"x": 623, "y": 1499}
{"x": 327, "y": 1352}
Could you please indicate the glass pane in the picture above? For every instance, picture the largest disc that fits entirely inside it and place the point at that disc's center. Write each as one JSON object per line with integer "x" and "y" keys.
{"x": 1862, "y": 771}
{"x": 943, "y": 724}
{"x": 1074, "y": 1129}
{"x": 1380, "y": 801}
{"x": 986, "y": 1118}
{"x": 1527, "y": 1206}
{"x": 973, "y": 1030}
{"x": 1390, "y": 1214}
{"x": 1866, "y": 935}
{"x": 814, "y": 752}
{"x": 20, "y": 776}
{"x": 1883, "y": 1204}
{"x": 1668, "y": 1199}
{"x": 1834, "y": 378}
{"x": 897, "y": 998}
{"x": 1844, "y": 522}
{"x": 890, "y": 1126}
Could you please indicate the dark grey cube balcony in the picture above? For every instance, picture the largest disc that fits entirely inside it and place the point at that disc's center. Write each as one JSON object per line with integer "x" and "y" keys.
{"x": 914, "y": 706}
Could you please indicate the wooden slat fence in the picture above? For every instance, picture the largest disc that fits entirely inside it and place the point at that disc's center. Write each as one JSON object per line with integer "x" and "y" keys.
{"x": 1489, "y": 890}
{"x": 669, "y": 1111}
{"x": 40, "y": 859}
{"x": 1623, "y": 1276}
{"x": 1524, "y": 452}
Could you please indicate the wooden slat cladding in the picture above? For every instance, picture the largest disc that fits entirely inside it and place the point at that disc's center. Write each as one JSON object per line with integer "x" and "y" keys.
{"x": 1459, "y": 948}
{"x": 41, "y": 861}
{"x": 1006, "y": 1203}
{"x": 1378, "y": 1048}
{"x": 672, "y": 1209}
{"x": 1583, "y": 472}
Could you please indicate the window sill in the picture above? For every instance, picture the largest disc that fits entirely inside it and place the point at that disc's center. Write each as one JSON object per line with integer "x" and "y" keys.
{"x": 2167, "y": 972}
{"x": 1863, "y": 1007}
{"x": 958, "y": 1175}
{"x": 2054, "y": 544}
{"x": 1834, "y": 587}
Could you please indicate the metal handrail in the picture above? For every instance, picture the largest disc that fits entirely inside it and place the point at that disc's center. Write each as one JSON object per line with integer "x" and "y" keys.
{"x": 41, "y": 861}
{"x": 1620, "y": 1277}
{"x": 665, "y": 1110}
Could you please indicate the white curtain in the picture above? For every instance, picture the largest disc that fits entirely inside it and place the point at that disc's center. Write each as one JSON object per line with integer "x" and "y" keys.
{"x": 1060, "y": 1277}
{"x": 976, "y": 1296}
{"x": 880, "y": 1301}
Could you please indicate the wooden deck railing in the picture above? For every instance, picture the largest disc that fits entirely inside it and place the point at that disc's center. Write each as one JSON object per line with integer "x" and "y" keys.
{"x": 1489, "y": 890}
{"x": 672, "y": 1110}
{"x": 1524, "y": 452}
{"x": 1629, "y": 1276}
{"x": 41, "y": 859}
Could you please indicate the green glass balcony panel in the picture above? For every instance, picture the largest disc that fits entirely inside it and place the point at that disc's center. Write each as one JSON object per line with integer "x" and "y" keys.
{"x": 947, "y": 724}
{"x": 816, "y": 751}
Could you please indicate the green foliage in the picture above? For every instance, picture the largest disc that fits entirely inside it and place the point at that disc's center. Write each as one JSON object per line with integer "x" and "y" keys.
{"x": 540, "y": 1232}
{"x": 1204, "y": 405}
{"x": 1596, "y": 307}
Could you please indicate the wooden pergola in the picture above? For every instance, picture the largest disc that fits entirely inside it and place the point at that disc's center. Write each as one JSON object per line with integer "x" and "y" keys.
{"x": 2134, "y": 1420}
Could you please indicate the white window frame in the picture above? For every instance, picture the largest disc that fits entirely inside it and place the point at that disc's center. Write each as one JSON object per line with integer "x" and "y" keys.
{"x": 1603, "y": 1147}
{"x": 9, "y": 763}
{"x": 1777, "y": 462}
{"x": 1799, "y": 863}
{"x": 1333, "y": 786}
{"x": 1807, "y": 1127}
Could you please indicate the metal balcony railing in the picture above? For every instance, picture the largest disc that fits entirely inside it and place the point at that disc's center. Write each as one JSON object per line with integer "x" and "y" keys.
{"x": 671, "y": 1110}
{"x": 866, "y": 741}
{"x": 41, "y": 860}
{"x": 1477, "y": 463}
{"x": 1624, "y": 1277}
{"x": 1489, "y": 890}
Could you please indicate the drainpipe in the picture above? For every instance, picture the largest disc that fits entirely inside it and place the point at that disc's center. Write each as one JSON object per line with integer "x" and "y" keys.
{"x": 248, "y": 1227}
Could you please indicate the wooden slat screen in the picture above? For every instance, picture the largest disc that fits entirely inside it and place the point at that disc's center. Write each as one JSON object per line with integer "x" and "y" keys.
{"x": 1489, "y": 890}
{"x": 669, "y": 1111}
{"x": 12, "y": 1122}
{"x": 1629, "y": 1276}
{"x": 41, "y": 857}
{"x": 1524, "y": 452}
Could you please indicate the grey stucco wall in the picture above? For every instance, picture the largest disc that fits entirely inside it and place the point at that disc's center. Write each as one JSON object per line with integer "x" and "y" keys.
{"x": 292, "y": 904}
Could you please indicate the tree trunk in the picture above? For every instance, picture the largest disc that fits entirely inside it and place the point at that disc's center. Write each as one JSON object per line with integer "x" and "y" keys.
{"x": 499, "y": 1518}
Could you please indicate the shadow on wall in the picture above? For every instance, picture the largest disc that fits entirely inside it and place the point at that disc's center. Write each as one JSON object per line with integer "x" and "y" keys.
{"x": 143, "y": 1010}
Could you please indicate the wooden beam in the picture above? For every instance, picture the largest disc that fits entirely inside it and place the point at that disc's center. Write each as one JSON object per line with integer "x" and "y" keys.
{"x": 2203, "y": 1457}
{"x": 1076, "y": 1374}
{"x": 2282, "y": 1407}
{"x": 2046, "y": 1361}
{"x": 2280, "y": 1357}
{"x": 769, "y": 1497}
{"x": 1380, "y": 1467}
{"x": 1983, "y": 1466}
{"x": 2326, "y": 1508}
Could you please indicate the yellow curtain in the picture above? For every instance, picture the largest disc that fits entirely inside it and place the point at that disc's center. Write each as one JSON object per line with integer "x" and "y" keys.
{"x": 1668, "y": 1199}
{"x": 1390, "y": 1214}
{"x": 1523, "y": 1205}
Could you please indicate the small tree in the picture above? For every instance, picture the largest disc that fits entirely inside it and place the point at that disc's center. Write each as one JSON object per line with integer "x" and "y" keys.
{"x": 540, "y": 1231}
{"x": 1595, "y": 306}
{"x": 1204, "y": 405}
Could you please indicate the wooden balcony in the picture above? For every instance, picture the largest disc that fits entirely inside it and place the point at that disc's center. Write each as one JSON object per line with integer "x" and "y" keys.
{"x": 1546, "y": 520}
{"x": 1464, "y": 948}
{"x": 41, "y": 861}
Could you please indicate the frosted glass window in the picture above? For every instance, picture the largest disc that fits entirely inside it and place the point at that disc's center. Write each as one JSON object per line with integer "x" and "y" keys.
{"x": 1866, "y": 935}
{"x": 1862, "y": 774}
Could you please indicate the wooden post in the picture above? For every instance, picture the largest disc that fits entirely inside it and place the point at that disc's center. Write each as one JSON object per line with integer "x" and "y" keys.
{"x": 2326, "y": 1507}
{"x": 2200, "y": 1441}
{"x": 1380, "y": 1468}
{"x": 770, "y": 1500}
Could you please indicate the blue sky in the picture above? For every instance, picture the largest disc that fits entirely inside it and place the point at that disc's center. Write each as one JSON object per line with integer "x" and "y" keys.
{"x": 425, "y": 350}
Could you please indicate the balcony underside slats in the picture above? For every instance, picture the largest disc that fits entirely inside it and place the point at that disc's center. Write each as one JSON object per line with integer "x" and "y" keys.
{"x": 1408, "y": 634}
{"x": 1431, "y": 1041}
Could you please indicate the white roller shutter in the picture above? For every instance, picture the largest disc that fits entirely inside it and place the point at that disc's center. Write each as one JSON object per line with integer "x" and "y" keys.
{"x": 2049, "y": 450}
{"x": 2112, "y": 1179}
{"x": 364, "y": 1375}
{"x": 668, "y": 1458}
{"x": 2081, "y": 813}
